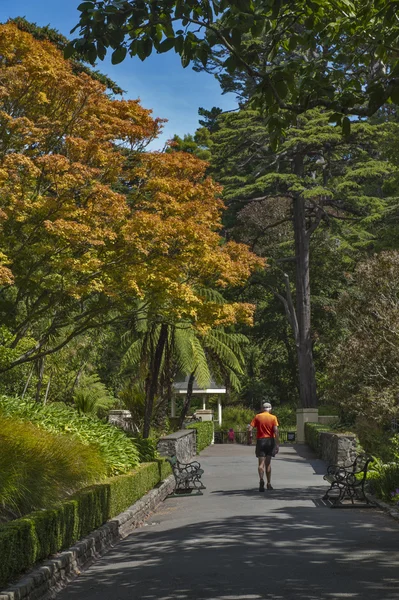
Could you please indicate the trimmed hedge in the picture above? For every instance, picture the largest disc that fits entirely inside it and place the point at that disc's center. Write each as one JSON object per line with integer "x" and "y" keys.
{"x": 25, "y": 541}
{"x": 204, "y": 434}
{"x": 312, "y": 435}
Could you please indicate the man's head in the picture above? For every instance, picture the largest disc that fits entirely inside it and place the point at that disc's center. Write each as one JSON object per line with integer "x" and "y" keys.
{"x": 267, "y": 406}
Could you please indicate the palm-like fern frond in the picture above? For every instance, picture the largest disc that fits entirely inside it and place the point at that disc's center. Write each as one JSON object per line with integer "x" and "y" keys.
{"x": 234, "y": 380}
{"x": 133, "y": 354}
{"x": 234, "y": 341}
{"x": 183, "y": 349}
{"x": 211, "y": 295}
{"x": 201, "y": 370}
{"x": 223, "y": 353}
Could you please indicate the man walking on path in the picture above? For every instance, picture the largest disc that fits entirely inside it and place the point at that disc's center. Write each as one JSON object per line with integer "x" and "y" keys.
{"x": 266, "y": 443}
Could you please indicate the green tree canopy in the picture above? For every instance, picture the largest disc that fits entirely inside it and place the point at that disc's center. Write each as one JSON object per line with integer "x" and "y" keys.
{"x": 338, "y": 54}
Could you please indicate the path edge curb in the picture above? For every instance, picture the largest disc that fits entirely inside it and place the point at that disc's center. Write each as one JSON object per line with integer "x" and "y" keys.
{"x": 52, "y": 575}
{"x": 387, "y": 508}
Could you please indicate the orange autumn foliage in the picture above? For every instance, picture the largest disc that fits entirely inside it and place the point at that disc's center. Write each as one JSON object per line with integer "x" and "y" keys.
{"x": 85, "y": 213}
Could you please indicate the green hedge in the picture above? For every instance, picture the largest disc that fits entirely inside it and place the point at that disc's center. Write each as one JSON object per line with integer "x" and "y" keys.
{"x": 204, "y": 434}
{"x": 312, "y": 435}
{"x": 25, "y": 541}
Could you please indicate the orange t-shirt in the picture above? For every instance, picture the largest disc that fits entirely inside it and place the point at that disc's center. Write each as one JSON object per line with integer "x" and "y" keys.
{"x": 264, "y": 423}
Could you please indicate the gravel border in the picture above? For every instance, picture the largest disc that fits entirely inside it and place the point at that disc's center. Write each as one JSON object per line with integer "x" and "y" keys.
{"x": 44, "y": 581}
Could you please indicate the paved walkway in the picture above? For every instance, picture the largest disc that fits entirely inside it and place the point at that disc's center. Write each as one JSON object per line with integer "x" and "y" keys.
{"x": 235, "y": 543}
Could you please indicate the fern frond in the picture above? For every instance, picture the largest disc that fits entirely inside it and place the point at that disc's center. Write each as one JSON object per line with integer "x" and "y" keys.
{"x": 224, "y": 354}
{"x": 202, "y": 372}
{"x": 133, "y": 354}
{"x": 234, "y": 341}
{"x": 183, "y": 349}
{"x": 234, "y": 381}
{"x": 211, "y": 295}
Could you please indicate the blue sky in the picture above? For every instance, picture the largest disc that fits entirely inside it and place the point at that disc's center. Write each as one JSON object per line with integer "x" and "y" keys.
{"x": 160, "y": 82}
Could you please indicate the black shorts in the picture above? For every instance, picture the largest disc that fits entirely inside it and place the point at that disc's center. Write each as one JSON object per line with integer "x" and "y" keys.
{"x": 264, "y": 447}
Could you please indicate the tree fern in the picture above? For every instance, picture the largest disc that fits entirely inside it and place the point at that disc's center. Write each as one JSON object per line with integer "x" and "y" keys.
{"x": 201, "y": 370}
{"x": 133, "y": 354}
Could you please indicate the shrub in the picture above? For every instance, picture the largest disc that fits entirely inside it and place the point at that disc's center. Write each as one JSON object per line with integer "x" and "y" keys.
{"x": 204, "y": 434}
{"x": 377, "y": 441}
{"x": 146, "y": 447}
{"x": 118, "y": 452}
{"x": 37, "y": 535}
{"x": 383, "y": 479}
{"x": 92, "y": 397}
{"x": 39, "y": 468}
{"x": 236, "y": 417}
{"x": 327, "y": 410}
{"x": 239, "y": 417}
{"x": 286, "y": 415}
{"x": 312, "y": 435}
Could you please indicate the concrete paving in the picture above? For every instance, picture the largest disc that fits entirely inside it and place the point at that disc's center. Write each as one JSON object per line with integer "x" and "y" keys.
{"x": 235, "y": 543}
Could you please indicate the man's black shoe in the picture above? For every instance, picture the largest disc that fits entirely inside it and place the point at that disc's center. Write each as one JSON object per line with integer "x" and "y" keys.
{"x": 261, "y": 486}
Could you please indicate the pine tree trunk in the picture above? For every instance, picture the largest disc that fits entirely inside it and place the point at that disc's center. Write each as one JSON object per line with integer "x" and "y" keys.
{"x": 152, "y": 381}
{"x": 307, "y": 375}
{"x": 187, "y": 401}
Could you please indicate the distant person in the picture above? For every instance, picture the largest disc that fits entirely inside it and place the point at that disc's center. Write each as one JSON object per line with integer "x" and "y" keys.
{"x": 231, "y": 435}
{"x": 267, "y": 443}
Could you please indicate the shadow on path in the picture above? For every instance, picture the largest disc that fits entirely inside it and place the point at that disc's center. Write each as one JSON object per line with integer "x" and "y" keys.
{"x": 314, "y": 494}
{"x": 302, "y": 451}
{"x": 296, "y": 553}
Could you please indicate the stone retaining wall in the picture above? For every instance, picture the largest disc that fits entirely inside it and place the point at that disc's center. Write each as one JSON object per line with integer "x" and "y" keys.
{"x": 45, "y": 581}
{"x": 182, "y": 444}
{"x": 337, "y": 448}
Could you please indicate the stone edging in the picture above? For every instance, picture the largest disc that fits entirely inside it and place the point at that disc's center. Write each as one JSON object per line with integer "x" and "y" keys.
{"x": 388, "y": 508}
{"x": 43, "y": 582}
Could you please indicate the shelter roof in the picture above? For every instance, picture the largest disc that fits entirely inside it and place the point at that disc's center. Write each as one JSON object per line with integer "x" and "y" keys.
{"x": 181, "y": 387}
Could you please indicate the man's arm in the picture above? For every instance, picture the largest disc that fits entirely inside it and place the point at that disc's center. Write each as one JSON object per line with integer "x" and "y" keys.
{"x": 276, "y": 435}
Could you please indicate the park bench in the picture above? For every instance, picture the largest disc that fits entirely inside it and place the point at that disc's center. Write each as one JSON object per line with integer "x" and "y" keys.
{"x": 187, "y": 477}
{"x": 347, "y": 483}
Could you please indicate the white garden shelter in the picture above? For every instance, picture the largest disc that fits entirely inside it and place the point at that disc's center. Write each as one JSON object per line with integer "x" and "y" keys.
{"x": 213, "y": 389}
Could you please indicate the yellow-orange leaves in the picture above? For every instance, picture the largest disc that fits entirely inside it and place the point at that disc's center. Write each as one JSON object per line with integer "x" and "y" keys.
{"x": 83, "y": 210}
{"x": 176, "y": 224}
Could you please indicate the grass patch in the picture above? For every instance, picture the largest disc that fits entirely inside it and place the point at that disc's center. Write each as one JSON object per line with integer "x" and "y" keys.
{"x": 39, "y": 468}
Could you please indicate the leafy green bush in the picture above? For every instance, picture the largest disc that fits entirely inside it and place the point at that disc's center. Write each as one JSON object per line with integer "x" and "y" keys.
{"x": 34, "y": 537}
{"x": 376, "y": 440}
{"x": 92, "y": 397}
{"x": 38, "y": 468}
{"x": 327, "y": 410}
{"x": 312, "y": 435}
{"x": 236, "y": 417}
{"x": 286, "y": 415}
{"x": 146, "y": 447}
{"x": 383, "y": 480}
{"x": 118, "y": 452}
{"x": 204, "y": 434}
